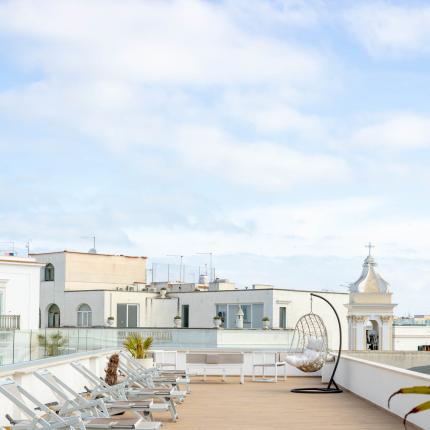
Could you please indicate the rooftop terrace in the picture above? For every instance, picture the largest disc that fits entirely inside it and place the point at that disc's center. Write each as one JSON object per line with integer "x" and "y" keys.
{"x": 215, "y": 405}
{"x": 229, "y": 405}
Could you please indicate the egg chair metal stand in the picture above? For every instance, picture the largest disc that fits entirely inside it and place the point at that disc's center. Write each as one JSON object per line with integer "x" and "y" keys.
{"x": 331, "y": 387}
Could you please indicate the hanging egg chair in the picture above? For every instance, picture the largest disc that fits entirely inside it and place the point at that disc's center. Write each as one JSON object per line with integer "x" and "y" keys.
{"x": 309, "y": 351}
{"x": 309, "y": 347}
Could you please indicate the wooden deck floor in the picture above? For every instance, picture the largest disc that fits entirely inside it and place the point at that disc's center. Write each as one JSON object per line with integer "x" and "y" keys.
{"x": 215, "y": 405}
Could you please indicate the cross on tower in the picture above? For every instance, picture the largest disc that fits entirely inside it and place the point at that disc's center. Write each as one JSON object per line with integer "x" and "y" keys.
{"x": 370, "y": 246}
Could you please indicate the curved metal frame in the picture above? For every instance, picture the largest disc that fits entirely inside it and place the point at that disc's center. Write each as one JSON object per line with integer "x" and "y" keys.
{"x": 332, "y": 387}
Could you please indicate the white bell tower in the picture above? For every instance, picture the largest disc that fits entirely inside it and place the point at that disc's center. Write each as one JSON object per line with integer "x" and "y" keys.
{"x": 370, "y": 310}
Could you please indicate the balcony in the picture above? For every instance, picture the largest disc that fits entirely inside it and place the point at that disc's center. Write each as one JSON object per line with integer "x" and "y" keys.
{"x": 261, "y": 405}
{"x": 10, "y": 322}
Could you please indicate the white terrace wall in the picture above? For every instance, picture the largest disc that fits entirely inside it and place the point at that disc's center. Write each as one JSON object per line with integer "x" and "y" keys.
{"x": 376, "y": 382}
{"x": 23, "y": 374}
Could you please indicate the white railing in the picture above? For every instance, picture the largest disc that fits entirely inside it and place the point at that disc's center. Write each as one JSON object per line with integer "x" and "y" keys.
{"x": 10, "y": 322}
{"x": 17, "y": 346}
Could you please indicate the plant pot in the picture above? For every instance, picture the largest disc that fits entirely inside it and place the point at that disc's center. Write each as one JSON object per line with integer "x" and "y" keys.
{"x": 163, "y": 292}
{"x": 147, "y": 363}
{"x": 266, "y": 325}
{"x": 177, "y": 322}
{"x": 217, "y": 322}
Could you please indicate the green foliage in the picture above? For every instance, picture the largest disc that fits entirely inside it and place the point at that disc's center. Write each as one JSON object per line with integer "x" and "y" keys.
{"x": 137, "y": 346}
{"x": 53, "y": 343}
{"x": 413, "y": 390}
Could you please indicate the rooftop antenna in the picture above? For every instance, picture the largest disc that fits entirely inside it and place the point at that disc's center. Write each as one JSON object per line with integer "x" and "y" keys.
{"x": 93, "y": 249}
{"x": 210, "y": 263}
{"x": 27, "y": 245}
{"x": 180, "y": 264}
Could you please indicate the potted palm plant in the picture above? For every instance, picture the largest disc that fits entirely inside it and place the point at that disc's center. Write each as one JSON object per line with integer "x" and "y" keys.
{"x": 138, "y": 347}
{"x": 53, "y": 344}
{"x": 266, "y": 323}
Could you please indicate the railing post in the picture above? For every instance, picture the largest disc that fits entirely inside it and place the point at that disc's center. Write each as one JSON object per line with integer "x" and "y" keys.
{"x": 13, "y": 347}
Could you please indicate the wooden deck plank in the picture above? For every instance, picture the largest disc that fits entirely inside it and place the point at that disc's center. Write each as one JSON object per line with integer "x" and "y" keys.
{"x": 215, "y": 405}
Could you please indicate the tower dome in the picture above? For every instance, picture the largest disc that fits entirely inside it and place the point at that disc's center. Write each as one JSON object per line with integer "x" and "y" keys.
{"x": 370, "y": 281}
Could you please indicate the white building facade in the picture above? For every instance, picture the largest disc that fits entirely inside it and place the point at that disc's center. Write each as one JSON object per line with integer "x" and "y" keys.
{"x": 19, "y": 293}
{"x": 75, "y": 287}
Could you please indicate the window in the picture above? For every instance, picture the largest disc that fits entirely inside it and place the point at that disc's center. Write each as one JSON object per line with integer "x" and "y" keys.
{"x": 252, "y": 314}
{"x": 53, "y": 316}
{"x": 221, "y": 311}
{"x": 282, "y": 317}
{"x": 185, "y": 316}
{"x": 127, "y": 315}
{"x": 84, "y": 316}
{"x": 257, "y": 315}
{"x": 49, "y": 272}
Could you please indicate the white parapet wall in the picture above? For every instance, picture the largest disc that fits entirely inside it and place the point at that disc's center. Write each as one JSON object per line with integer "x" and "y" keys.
{"x": 376, "y": 382}
{"x": 410, "y": 337}
{"x": 60, "y": 366}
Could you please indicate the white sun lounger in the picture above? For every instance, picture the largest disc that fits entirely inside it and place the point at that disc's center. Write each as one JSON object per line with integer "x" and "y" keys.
{"x": 42, "y": 417}
{"x": 144, "y": 380}
{"x": 172, "y": 377}
{"x": 71, "y": 402}
{"x": 122, "y": 391}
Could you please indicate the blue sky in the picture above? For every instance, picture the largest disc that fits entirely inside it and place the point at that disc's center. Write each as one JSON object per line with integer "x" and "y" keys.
{"x": 286, "y": 132}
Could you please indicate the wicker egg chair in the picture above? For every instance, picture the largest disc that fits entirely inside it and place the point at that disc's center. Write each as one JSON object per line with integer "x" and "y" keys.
{"x": 309, "y": 350}
{"x": 309, "y": 347}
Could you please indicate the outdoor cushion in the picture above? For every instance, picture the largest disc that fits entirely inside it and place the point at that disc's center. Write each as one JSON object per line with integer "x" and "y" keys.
{"x": 212, "y": 358}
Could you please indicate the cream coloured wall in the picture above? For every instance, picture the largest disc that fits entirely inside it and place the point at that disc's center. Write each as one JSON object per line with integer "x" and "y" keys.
{"x": 373, "y": 298}
{"x": 98, "y": 271}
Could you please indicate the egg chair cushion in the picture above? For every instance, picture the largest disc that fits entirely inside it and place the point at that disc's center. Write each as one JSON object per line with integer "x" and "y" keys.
{"x": 311, "y": 358}
{"x": 315, "y": 344}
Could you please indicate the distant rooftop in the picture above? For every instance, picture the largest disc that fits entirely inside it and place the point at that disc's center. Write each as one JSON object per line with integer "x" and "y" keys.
{"x": 87, "y": 253}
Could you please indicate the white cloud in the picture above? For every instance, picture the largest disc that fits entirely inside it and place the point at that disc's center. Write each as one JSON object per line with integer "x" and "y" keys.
{"x": 263, "y": 165}
{"x": 325, "y": 228}
{"x": 386, "y": 28}
{"x": 151, "y": 67}
{"x": 395, "y": 131}
{"x": 183, "y": 42}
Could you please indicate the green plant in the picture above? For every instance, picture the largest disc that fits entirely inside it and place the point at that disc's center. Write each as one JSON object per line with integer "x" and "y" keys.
{"x": 265, "y": 319}
{"x": 52, "y": 344}
{"x": 177, "y": 317}
{"x": 217, "y": 317}
{"x": 413, "y": 390}
{"x": 137, "y": 346}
